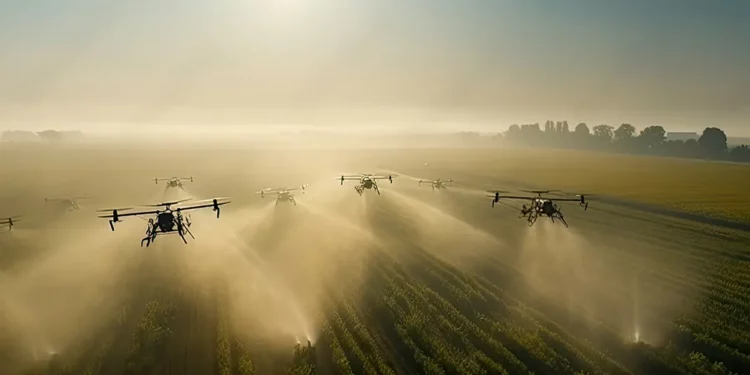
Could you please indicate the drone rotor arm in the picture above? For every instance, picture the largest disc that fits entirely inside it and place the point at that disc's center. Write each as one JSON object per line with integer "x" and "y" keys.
{"x": 515, "y": 197}
{"x": 119, "y": 215}
{"x": 568, "y": 200}
{"x": 214, "y": 205}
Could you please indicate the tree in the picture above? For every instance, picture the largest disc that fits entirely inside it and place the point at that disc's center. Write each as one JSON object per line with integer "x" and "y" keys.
{"x": 604, "y": 132}
{"x": 19, "y": 136}
{"x": 652, "y": 137}
{"x": 565, "y": 127}
{"x": 740, "y": 153}
{"x": 559, "y": 127}
{"x": 691, "y": 149}
{"x": 625, "y": 132}
{"x": 582, "y": 129}
{"x": 674, "y": 148}
{"x": 549, "y": 126}
{"x": 713, "y": 142}
{"x": 50, "y": 135}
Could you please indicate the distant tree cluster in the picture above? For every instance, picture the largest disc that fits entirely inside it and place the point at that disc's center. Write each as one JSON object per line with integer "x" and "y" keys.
{"x": 46, "y": 135}
{"x": 652, "y": 140}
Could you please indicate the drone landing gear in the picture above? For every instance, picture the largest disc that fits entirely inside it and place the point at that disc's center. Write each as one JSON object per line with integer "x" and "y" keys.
{"x": 559, "y": 217}
{"x": 149, "y": 239}
{"x": 532, "y": 220}
{"x": 150, "y": 234}
{"x": 376, "y": 189}
{"x": 293, "y": 201}
{"x": 182, "y": 229}
{"x": 359, "y": 190}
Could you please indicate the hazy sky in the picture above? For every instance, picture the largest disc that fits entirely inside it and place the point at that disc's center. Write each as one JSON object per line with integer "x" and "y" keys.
{"x": 681, "y": 63}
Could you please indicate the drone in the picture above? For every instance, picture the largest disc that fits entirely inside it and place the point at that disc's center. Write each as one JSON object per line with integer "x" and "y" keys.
{"x": 174, "y": 181}
{"x": 166, "y": 221}
{"x": 540, "y": 206}
{"x": 71, "y": 202}
{"x": 283, "y": 194}
{"x": 9, "y": 222}
{"x": 437, "y": 184}
{"x": 366, "y": 181}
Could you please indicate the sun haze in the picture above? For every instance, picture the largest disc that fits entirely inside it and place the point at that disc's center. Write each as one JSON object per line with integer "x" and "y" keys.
{"x": 112, "y": 64}
{"x": 380, "y": 187}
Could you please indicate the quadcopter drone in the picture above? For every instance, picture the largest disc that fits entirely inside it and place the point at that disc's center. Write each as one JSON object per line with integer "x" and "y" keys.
{"x": 166, "y": 221}
{"x": 9, "y": 222}
{"x": 540, "y": 206}
{"x": 366, "y": 181}
{"x": 437, "y": 184}
{"x": 70, "y": 202}
{"x": 283, "y": 194}
{"x": 174, "y": 182}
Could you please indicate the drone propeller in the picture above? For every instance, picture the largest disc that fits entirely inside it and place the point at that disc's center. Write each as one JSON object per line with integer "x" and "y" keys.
{"x": 168, "y": 203}
{"x": 114, "y": 209}
{"x": 493, "y": 192}
{"x": 495, "y": 195}
{"x": 539, "y": 191}
{"x": 583, "y": 202}
{"x": 10, "y": 221}
{"x": 211, "y": 199}
{"x": 13, "y": 220}
{"x": 114, "y": 217}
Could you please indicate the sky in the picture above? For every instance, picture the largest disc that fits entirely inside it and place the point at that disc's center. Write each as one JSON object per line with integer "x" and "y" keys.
{"x": 405, "y": 64}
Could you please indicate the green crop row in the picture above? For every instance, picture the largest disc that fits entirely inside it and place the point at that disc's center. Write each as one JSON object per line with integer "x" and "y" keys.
{"x": 150, "y": 337}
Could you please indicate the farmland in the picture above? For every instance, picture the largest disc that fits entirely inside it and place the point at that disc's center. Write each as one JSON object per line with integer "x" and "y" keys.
{"x": 411, "y": 281}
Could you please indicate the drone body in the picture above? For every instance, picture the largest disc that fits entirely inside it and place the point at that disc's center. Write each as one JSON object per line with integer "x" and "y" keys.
{"x": 366, "y": 181}
{"x": 283, "y": 194}
{"x": 540, "y": 206}
{"x": 166, "y": 221}
{"x": 437, "y": 184}
{"x": 174, "y": 182}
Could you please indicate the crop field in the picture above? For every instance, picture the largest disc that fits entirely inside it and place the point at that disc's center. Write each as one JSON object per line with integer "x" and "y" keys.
{"x": 413, "y": 281}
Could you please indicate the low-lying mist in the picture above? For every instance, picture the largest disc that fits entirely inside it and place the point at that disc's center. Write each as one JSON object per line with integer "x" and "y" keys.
{"x": 275, "y": 268}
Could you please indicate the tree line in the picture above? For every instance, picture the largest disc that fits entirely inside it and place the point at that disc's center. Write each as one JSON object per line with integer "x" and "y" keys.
{"x": 652, "y": 140}
{"x": 46, "y": 135}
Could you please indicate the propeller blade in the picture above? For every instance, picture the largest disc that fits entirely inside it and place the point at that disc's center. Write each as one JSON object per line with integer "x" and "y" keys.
{"x": 539, "y": 191}
{"x": 167, "y": 203}
{"x": 114, "y": 209}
